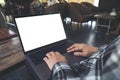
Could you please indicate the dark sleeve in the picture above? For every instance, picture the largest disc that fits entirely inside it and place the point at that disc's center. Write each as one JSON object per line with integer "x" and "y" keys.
{"x": 62, "y": 71}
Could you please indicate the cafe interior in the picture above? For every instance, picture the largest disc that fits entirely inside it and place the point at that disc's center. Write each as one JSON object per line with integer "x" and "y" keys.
{"x": 93, "y": 22}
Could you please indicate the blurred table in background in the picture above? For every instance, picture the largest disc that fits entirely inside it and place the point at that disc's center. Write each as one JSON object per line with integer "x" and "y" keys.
{"x": 107, "y": 19}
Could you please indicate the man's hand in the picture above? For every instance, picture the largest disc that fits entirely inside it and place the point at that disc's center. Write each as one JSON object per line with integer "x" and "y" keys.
{"x": 54, "y": 57}
{"x": 82, "y": 49}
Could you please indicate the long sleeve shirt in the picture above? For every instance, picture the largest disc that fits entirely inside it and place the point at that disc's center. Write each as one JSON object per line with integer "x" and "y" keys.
{"x": 106, "y": 67}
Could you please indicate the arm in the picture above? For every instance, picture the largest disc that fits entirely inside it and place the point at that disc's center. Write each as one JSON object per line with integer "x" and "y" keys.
{"x": 62, "y": 71}
{"x": 58, "y": 63}
{"x": 59, "y": 67}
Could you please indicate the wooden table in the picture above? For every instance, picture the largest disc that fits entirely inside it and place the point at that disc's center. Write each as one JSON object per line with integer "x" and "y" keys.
{"x": 10, "y": 53}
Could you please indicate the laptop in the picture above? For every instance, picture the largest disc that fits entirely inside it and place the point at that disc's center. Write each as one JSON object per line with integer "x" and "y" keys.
{"x": 40, "y": 34}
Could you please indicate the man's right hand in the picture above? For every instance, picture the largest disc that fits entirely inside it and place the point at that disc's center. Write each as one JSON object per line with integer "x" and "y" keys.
{"x": 82, "y": 49}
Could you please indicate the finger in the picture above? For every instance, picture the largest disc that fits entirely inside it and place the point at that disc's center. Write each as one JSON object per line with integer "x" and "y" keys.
{"x": 48, "y": 55}
{"x": 71, "y": 47}
{"x": 45, "y": 59}
{"x": 84, "y": 54}
{"x": 71, "y": 50}
{"x": 78, "y": 53}
{"x": 74, "y": 47}
{"x": 57, "y": 53}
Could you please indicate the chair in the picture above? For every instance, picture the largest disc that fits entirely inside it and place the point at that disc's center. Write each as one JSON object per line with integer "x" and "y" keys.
{"x": 5, "y": 28}
{"x": 2, "y": 19}
{"x": 4, "y": 23}
{"x": 58, "y": 7}
{"x": 81, "y": 12}
{"x": 77, "y": 12}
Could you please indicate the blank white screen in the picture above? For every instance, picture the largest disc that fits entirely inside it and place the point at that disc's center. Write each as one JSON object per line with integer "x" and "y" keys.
{"x": 38, "y": 31}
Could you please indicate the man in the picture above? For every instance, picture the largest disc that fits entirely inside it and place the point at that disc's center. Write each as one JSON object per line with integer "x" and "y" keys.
{"x": 103, "y": 63}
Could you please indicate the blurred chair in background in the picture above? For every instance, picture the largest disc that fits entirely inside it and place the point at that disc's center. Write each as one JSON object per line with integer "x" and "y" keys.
{"x": 78, "y": 12}
{"x": 4, "y": 23}
{"x": 82, "y": 12}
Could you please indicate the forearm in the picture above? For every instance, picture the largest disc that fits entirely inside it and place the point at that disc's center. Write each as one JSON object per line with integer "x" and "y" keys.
{"x": 62, "y": 71}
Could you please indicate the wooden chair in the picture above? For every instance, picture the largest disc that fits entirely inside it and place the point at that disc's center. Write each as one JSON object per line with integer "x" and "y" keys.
{"x": 3, "y": 19}
{"x": 4, "y": 23}
{"x": 79, "y": 13}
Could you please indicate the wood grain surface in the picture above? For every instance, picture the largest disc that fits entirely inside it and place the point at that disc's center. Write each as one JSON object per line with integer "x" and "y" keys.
{"x": 10, "y": 53}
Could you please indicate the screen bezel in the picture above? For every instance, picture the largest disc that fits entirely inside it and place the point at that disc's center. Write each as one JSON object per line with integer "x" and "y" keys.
{"x": 31, "y": 16}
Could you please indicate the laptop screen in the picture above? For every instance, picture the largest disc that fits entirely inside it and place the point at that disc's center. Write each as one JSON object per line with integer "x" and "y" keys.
{"x": 40, "y": 30}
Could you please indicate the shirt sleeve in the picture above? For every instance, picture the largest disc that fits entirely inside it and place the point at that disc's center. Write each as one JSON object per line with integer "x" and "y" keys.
{"x": 62, "y": 71}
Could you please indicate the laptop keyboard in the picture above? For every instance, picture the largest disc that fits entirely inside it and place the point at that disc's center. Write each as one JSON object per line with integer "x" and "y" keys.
{"x": 39, "y": 54}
